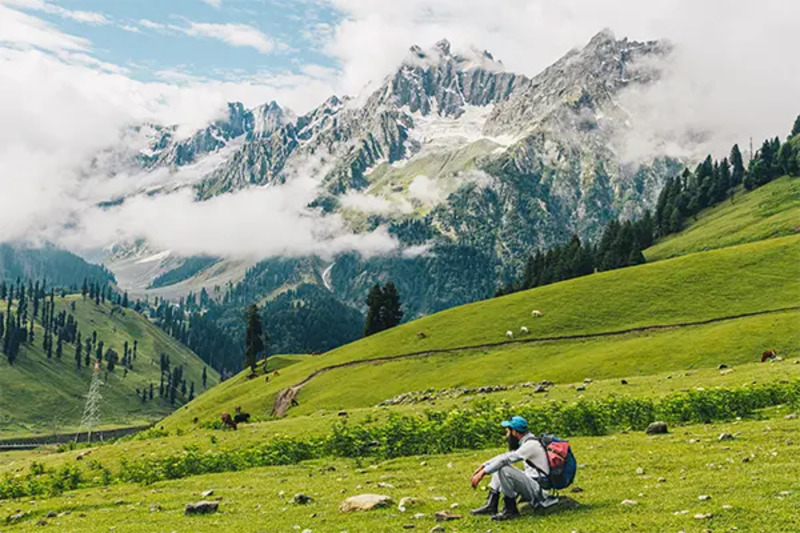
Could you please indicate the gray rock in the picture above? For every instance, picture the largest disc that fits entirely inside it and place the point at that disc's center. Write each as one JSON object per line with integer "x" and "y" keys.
{"x": 207, "y": 493}
{"x": 302, "y": 499}
{"x": 201, "y": 507}
{"x": 657, "y": 428}
{"x": 447, "y": 516}
{"x": 51, "y": 514}
{"x": 725, "y": 436}
{"x": 704, "y": 497}
{"x": 436, "y": 528}
{"x": 791, "y": 416}
{"x": 629, "y": 502}
{"x": 364, "y": 502}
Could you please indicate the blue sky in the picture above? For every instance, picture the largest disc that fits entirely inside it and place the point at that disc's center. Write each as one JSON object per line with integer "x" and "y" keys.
{"x": 154, "y": 39}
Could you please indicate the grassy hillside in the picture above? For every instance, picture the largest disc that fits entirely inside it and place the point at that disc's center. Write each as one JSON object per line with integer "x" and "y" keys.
{"x": 41, "y": 396}
{"x": 693, "y": 288}
{"x": 769, "y": 211}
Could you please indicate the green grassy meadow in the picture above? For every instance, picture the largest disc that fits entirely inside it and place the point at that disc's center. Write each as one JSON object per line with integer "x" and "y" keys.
{"x": 715, "y": 313}
{"x": 41, "y": 396}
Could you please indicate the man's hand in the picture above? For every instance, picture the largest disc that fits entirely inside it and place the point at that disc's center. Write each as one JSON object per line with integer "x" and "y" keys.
{"x": 477, "y": 477}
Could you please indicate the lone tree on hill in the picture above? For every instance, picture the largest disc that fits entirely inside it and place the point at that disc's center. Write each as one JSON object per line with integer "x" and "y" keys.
{"x": 384, "y": 309}
{"x": 253, "y": 342}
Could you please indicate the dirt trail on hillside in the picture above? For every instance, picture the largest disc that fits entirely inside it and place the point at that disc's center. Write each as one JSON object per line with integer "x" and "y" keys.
{"x": 284, "y": 400}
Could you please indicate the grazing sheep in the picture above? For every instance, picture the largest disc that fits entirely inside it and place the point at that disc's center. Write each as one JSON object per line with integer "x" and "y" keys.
{"x": 536, "y": 313}
{"x": 510, "y": 334}
{"x": 523, "y": 330}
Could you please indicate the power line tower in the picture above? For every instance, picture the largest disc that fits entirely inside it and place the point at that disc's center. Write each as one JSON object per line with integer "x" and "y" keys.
{"x": 91, "y": 411}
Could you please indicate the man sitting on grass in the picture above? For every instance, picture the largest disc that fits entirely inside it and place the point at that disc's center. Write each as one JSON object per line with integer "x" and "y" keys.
{"x": 510, "y": 481}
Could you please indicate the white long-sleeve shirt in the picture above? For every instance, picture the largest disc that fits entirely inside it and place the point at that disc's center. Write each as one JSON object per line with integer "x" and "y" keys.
{"x": 530, "y": 449}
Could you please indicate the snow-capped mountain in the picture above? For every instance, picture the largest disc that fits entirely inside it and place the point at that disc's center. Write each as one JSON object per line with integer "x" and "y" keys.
{"x": 482, "y": 158}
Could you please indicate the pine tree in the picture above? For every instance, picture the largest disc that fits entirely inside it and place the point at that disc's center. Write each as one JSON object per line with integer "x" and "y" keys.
{"x": 191, "y": 391}
{"x": 796, "y": 127}
{"x": 373, "y": 320}
{"x": 205, "y": 377}
{"x": 84, "y": 289}
{"x": 254, "y": 343}
{"x": 391, "y": 308}
{"x": 59, "y": 348}
{"x": 78, "y": 353}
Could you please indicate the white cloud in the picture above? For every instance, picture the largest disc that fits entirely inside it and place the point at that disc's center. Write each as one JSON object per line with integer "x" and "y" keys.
{"x": 371, "y": 204}
{"x": 22, "y": 31}
{"x": 86, "y": 17}
{"x": 149, "y": 24}
{"x": 129, "y": 28}
{"x": 213, "y": 3}
{"x": 233, "y": 34}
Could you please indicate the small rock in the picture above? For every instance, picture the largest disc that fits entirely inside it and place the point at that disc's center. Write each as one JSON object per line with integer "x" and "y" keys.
{"x": 725, "y": 372}
{"x": 704, "y": 497}
{"x": 384, "y": 485}
{"x": 662, "y": 480}
{"x": 409, "y": 526}
{"x": 423, "y": 463}
{"x": 407, "y": 502}
{"x": 342, "y": 413}
{"x": 436, "y": 528}
{"x": 727, "y": 507}
{"x": 453, "y": 506}
{"x": 51, "y": 514}
{"x": 201, "y": 507}
{"x": 540, "y": 389}
{"x": 155, "y": 508}
{"x": 722, "y": 367}
{"x": 419, "y": 516}
{"x": 640, "y": 471}
{"x": 41, "y": 523}
{"x": 785, "y": 493}
{"x": 119, "y": 502}
{"x": 207, "y": 493}
{"x": 703, "y": 516}
{"x": 746, "y": 459}
{"x": 576, "y": 490}
{"x": 725, "y": 436}
{"x": 81, "y": 455}
{"x": 364, "y": 502}
{"x": 656, "y": 428}
{"x": 446, "y": 516}
{"x": 623, "y": 382}
{"x": 629, "y": 502}
{"x": 792, "y": 416}
{"x": 580, "y": 388}
{"x": 19, "y": 515}
{"x": 302, "y": 499}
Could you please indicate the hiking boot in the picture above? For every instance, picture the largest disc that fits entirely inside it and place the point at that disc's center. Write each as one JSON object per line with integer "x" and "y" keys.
{"x": 510, "y": 511}
{"x": 490, "y": 507}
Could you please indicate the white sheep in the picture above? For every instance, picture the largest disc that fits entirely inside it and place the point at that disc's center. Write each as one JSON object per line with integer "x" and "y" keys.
{"x": 536, "y": 313}
{"x": 510, "y": 334}
{"x": 523, "y": 330}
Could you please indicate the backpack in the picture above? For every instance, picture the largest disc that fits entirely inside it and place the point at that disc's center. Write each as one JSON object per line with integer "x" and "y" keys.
{"x": 563, "y": 465}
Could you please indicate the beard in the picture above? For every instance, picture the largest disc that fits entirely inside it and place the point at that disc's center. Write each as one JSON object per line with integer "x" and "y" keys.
{"x": 513, "y": 443}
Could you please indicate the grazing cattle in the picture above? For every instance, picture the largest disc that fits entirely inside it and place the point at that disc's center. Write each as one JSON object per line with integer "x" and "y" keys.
{"x": 769, "y": 354}
{"x": 523, "y": 330}
{"x": 275, "y": 373}
{"x": 227, "y": 421}
{"x": 510, "y": 334}
{"x": 421, "y": 335}
{"x": 536, "y": 313}
{"x": 314, "y": 353}
{"x": 239, "y": 417}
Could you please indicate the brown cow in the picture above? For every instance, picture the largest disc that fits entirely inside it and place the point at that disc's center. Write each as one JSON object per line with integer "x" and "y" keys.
{"x": 769, "y": 354}
{"x": 228, "y": 421}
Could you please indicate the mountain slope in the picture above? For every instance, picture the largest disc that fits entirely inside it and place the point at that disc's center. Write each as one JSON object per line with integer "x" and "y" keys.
{"x": 474, "y": 161}
{"x": 58, "y": 267}
{"x": 772, "y": 210}
{"x": 38, "y": 394}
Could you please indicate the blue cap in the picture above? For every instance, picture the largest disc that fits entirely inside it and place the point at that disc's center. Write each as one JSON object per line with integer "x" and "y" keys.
{"x": 516, "y": 423}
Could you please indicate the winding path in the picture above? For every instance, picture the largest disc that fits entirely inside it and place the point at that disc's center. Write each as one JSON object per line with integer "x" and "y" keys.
{"x": 285, "y": 397}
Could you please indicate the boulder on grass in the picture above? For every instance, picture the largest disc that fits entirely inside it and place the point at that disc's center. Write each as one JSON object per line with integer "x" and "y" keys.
{"x": 201, "y": 507}
{"x": 657, "y": 428}
{"x": 365, "y": 502}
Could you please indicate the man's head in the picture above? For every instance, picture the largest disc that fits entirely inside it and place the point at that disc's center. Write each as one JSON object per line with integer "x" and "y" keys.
{"x": 516, "y": 428}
